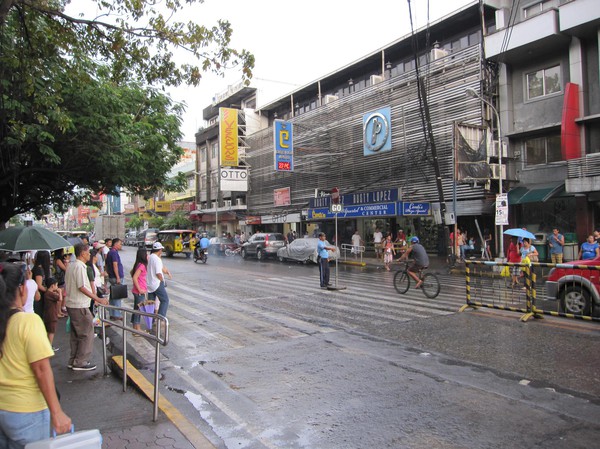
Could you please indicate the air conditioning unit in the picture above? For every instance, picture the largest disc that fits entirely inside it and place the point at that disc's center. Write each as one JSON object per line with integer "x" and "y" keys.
{"x": 495, "y": 171}
{"x": 438, "y": 53}
{"x": 227, "y": 203}
{"x": 239, "y": 201}
{"x": 495, "y": 149}
{"x": 213, "y": 205}
{"x": 329, "y": 98}
{"x": 375, "y": 79}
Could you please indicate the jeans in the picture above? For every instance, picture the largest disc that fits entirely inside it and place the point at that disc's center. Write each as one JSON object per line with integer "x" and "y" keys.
{"x": 115, "y": 302}
{"x": 19, "y": 429}
{"x": 137, "y": 299}
{"x": 163, "y": 297}
{"x": 324, "y": 271}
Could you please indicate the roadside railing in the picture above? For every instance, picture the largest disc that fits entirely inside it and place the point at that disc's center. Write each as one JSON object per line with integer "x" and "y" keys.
{"x": 563, "y": 290}
{"x": 354, "y": 250}
{"x": 158, "y": 337}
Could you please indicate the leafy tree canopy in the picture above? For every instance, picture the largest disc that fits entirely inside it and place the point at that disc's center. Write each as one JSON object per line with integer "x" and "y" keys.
{"x": 78, "y": 110}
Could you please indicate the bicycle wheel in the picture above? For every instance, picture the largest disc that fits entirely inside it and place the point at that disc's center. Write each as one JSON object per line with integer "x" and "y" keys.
{"x": 401, "y": 282}
{"x": 431, "y": 285}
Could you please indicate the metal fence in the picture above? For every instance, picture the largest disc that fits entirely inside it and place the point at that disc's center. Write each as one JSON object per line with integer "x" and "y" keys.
{"x": 159, "y": 336}
{"x": 537, "y": 289}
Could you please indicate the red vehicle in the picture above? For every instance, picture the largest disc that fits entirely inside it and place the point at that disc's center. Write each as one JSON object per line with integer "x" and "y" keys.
{"x": 218, "y": 245}
{"x": 576, "y": 289}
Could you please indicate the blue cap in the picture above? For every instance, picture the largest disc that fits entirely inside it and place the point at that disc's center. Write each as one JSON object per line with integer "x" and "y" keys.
{"x": 414, "y": 239}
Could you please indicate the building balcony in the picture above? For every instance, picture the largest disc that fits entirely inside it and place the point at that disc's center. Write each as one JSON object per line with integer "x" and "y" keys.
{"x": 583, "y": 174}
{"x": 579, "y": 18}
{"x": 524, "y": 39}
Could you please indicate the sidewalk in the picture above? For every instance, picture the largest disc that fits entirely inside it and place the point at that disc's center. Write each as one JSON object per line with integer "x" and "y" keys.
{"x": 95, "y": 401}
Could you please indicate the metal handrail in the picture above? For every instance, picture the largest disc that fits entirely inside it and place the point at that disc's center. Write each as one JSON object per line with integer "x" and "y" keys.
{"x": 157, "y": 338}
{"x": 349, "y": 247}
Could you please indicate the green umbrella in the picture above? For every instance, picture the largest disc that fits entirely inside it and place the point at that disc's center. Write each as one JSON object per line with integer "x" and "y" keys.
{"x": 30, "y": 238}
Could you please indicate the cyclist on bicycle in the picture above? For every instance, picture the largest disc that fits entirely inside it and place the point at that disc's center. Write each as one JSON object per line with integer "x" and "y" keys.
{"x": 421, "y": 259}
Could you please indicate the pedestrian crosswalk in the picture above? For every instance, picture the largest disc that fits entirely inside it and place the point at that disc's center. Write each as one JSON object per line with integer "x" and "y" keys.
{"x": 251, "y": 309}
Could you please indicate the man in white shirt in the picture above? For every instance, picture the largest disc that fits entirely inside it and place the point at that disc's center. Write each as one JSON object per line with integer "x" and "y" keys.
{"x": 377, "y": 239}
{"x": 356, "y": 243}
{"x": 79, "y": 293}
{"x": 155, "y": 279}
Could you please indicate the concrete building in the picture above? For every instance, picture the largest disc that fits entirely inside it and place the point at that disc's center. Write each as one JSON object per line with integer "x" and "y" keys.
{"x": 549, "y": 104}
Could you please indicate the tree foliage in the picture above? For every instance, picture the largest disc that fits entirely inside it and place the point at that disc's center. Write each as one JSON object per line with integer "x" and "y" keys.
{"x": 177, "y": 220}
{"x": 81, "y": 109}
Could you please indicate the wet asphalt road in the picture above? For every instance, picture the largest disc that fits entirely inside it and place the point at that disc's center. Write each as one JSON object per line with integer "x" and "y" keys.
{"x": 261, "y": 357}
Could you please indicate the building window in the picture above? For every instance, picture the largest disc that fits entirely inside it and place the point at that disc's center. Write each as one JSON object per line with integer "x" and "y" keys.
{"x": 543, "y": 82}
{"x": 203, "y": 154}
{"x": 542, "y": 150}
{"x": 214, "y": 150}
{"x": 538, "y": 8}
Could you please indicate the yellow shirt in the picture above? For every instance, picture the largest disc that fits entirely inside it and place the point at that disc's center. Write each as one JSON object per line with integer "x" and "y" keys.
{"x": 25, "y": 342}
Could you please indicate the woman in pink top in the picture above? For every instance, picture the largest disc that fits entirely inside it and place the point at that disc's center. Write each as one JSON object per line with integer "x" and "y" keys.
{"x": 140, "y": 289}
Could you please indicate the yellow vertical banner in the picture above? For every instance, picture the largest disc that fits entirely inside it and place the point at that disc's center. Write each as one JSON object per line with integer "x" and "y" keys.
{"x": 228, "y": 136}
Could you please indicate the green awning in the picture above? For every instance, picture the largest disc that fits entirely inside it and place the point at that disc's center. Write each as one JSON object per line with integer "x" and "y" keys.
{"x": 515, "y": 194}
{"x": 538, "y": 194}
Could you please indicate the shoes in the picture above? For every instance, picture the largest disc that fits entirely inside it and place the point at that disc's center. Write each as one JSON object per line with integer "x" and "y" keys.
{"x": 324, "y": 287}
{"x": 87, "y": 367}
{"x": 70, "y": 365}
{"x": 55, "y": 348}
{"x": 419, "y": 284}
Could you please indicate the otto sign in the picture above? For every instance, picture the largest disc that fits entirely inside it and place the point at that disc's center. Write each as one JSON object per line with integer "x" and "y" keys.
{"x": 234, "y": 179}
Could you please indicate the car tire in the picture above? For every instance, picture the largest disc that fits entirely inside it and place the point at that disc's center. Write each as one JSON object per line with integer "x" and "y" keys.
{"x": 243, "y": 252}
{"x": 576, "y": 300}
{"x": 281, "y": 259}
{"x": 260, "y": 255}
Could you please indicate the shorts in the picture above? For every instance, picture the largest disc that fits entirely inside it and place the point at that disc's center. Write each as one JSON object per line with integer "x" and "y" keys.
{"x": 415, "y": 267}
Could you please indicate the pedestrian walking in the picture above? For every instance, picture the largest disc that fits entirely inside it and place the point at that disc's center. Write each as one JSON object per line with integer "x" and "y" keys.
{"x": 377, "y": 240}
{"x": 323, "y": 257}
{"x": 140, "y": 286}
{"x": 156, "y": 279}
{"x": 388, "y": 252}
{"x": 357, "y": 242}
{"x": 513, "y": 255}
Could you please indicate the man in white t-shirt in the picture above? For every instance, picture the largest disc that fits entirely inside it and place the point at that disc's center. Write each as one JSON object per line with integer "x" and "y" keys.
{"x": 156, "y": 280}
{"x": 377, "y": 239}
{"x": 357, "y": 242}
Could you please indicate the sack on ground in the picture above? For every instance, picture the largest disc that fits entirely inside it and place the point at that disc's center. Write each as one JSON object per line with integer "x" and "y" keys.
{"x": 118, "y": 291}
{"x": 505, "y": 273}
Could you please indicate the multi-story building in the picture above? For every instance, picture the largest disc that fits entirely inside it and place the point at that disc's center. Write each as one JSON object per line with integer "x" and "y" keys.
{"x": 364, "y": 129}
{"x": 219, "y": 207}
{"x": 549, "y": 103}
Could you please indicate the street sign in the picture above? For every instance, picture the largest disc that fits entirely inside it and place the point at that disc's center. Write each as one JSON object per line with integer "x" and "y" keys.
{"x": 501, "y": 209}
{"x": 336, "y": 208}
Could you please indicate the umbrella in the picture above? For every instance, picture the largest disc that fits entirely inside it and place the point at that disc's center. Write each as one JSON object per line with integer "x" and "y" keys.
{"x": 30, "y": 238}
{"x": 518, "y": 232}
{"x": 73, "y": 241}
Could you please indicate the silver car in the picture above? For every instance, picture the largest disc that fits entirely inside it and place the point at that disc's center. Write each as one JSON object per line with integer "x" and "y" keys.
{"x": 304, "y": 250}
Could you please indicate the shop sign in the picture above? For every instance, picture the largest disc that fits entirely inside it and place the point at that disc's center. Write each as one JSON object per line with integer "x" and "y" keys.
{"x": 282, "y": 197}
{"x": 377, "y": 131}
{"x": 234, "y": 179}
{"x": 361, "y": 210}
{"x": 414, "y": 208}
{"x": 350, "y": 199}
{"x": 283, "y": 145}
{"x": 279, "y": 218}
{"x": 502, "y": 209}
{"x": 253, "y": 220}
{"x": 228, "y": 136}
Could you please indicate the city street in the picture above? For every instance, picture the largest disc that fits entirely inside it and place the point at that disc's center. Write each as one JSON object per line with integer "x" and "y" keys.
{"x": 260, "y": 357}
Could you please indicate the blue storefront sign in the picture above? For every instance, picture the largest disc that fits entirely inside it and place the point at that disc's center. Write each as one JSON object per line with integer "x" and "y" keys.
{"x": 414, "y": 208}
{"x": 355, "y": 211}
{"x": 351, "y": 199}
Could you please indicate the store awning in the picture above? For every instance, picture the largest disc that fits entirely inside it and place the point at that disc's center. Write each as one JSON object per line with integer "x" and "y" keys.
{"x": 535, "y": 194}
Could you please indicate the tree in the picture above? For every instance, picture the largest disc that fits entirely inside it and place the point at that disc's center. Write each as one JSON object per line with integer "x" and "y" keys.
{"x": 78, "y": 110}
{"x": 134, "y": 223}
{"x": 177, "y": 220}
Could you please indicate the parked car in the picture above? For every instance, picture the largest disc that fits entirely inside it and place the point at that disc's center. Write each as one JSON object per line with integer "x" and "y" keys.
{"x": 130, "y": 238}
{"x": 576, "y": 289}
{"x": 304, "y": 250}
{"x": 263, "y": 245}
{"x": 177, "y": 241}
{"x": 146, "y": 238}
{"x": 218, "y": 245}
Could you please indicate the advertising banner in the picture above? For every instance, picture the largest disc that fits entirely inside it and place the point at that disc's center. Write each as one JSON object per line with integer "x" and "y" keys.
{"x": 283, "y": 146}
{"x": 228, "y": 137}
{"x": 377, "y": 131}
{"x": 282, "y": 197}
{"x": 234, "y": 179}
{"x": 502, "y": 209}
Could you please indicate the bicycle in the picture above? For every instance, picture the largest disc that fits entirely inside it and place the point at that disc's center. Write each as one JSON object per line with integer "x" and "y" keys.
{"x": 430, "y": 285}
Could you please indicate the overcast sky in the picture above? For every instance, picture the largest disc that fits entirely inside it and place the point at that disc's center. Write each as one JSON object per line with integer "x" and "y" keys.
{"x": 296, "y": 42}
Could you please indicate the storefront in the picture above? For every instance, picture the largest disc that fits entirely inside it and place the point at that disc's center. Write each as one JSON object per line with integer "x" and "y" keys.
{"x": 370, "y": 211}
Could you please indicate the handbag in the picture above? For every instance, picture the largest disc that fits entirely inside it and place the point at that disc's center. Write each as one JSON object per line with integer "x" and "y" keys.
{"x": 118, "y": 291}
{"x": 505, "y": 273}
{"x": 90, "y": 439}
